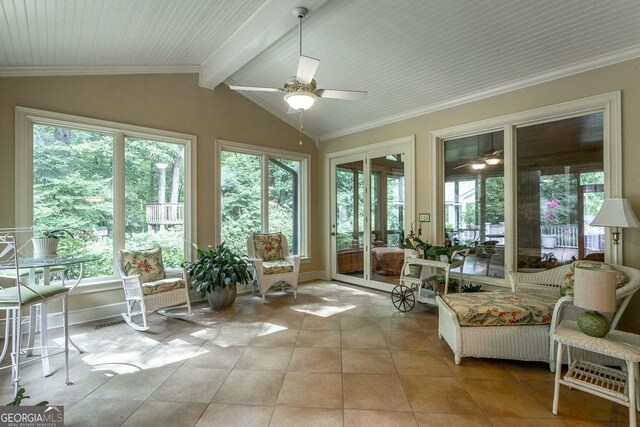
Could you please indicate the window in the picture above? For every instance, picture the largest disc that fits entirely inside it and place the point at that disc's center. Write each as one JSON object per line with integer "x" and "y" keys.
{"x": 529, "y": 209}
{"x": 113, "y": 186}
{"x": 262, "y": 192}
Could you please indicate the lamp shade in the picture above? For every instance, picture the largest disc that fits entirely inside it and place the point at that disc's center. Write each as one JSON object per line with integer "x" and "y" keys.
{"x": 595, "y": 289}
{"x": 300, "y": 100}
{"x": 616, "y": 213}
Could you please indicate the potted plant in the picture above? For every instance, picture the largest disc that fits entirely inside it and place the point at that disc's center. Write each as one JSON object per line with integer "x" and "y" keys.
{"x": 412, "y": 246}
{"x": 439, "y": 253}
{"x": 47, "y": 244}
{"x": 216, "y": 272}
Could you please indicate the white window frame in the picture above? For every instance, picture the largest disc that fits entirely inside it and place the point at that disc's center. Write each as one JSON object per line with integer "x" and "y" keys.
{"x": 26, "y": 118}
{"x": 265, "y": 153}
{"x": 609, "y": 104}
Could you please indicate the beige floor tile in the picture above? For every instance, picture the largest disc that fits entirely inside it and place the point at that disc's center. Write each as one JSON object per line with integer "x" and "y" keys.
{"x": 250, "y": 387}
{"x": 379, "y": 392}
{"x": 318, "y": 323}
{"x": 358, "y": 311}
{"x": 289, "y": 321}
{"x": 315, "y": 360}
{"x": 370, "y": 339}
{"x": 272, "y": 335}
{"x": 357, "y": 300}
{"x": 538, "y": 371}
{"x": 315, "y": 390}
{"x": 188, "y": 384}
{"x": 400, "y": 324}
{"x": 265, "y": 359}
{"x": 453, "y": 420}
{"x": 407, "y": 340}
{"x": 178, "y": 414}
{"x": 362, "y": 361}
{"x": 471, "y": 367}
{"x": 442, "y": 395}
{"x": 286, "y": 416}
{"x": 235, "y": 336}
{"x": 527, "y": 422}
{"x": 100, "y": 413}
{"x": 498, "y": 397}
{"x": 577, "y": 404}
{"x": 325, "y": 339}
{"x": 364, "y": 418}
{"x": 138, "y": 385}
{"x": 218, "y": 415}
{"x": 359, "y": 323}
{"x": 216, "y": 356}
{"x": 421, "y": 363}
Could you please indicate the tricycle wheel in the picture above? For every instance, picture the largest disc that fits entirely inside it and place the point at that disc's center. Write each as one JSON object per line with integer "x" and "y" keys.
{"x": 402, "y": 298}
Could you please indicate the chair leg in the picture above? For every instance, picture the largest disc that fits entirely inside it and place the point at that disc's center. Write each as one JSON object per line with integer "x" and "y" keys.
{"x": 128, "y": 316}
{"x": 264, "y": 297}
{"x": 65, "y": 331}
{"x": 44, "y": 340}
{"x": 7, "y": 334}
{"x": 33, "y": 321}
{"x": 15, "y": 356}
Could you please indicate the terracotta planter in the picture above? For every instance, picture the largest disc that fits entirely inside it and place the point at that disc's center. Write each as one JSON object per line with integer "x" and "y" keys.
{"x": 222, "y": 297}
{"x": 44, "y": 247}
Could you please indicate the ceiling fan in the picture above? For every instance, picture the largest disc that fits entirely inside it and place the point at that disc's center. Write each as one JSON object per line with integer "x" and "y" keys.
{"x": 301, "y": 90}
{"x": 490, "y": 157}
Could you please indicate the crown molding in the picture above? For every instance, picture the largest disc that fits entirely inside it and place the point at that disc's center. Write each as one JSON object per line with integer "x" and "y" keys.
{"x": 580, "y": 67}
{"x": 96, "y": 70}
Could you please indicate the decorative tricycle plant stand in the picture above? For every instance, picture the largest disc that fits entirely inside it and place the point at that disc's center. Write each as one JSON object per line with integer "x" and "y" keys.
{"x": 413, "y": 287}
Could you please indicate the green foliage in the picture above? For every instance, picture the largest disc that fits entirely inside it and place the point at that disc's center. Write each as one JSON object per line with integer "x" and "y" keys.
{"x": 56, "y": 234}
{"x": 20, "y": 397}
{"x": 469, "y": 216}
{"x": 434, "y": 252}
{"x": 494, "y": 196}
{"x": 219, "y": 267}
{"x": 470, "y": 287}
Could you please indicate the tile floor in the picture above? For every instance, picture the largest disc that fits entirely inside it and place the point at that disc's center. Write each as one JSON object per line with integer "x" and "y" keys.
{"x": 338, "y": 355}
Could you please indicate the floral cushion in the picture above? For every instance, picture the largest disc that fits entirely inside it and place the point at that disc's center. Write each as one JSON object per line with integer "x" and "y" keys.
{"x": 162, "y": 286}
{"x": 501, "y": 308}
{"x": 275, "y": 267}
{"x": 268, "y": 247}
{"x": 567, "y": 284}
{"x": 146, "y": 263}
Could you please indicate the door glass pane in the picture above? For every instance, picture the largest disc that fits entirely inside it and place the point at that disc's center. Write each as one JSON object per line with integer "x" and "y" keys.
{"x": 474, "y": 200}
{"x": 284, "y": 200}
{"x": 72, "y": 190}
{"x": 241, "y": 177}
{"x": 154, "y": 198}
{"x": 560, "y": 190}
{"x": 350, "y": 219}
{"x": 387, "y": 213}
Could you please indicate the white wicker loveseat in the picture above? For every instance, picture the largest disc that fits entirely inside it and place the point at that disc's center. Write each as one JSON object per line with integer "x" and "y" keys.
{"x": 531, "y": 342}
{"x": 272, "y": 264}
{"x": 146, "y": 283}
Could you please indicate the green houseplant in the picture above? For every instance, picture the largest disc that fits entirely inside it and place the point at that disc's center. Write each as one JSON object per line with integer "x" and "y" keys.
{"x": 216, "y": 272}
{"x": 47, "y": 244}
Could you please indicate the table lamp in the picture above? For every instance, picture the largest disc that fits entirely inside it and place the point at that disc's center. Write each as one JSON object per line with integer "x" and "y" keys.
{"x": 595, "y": 291}
{"x": 615, "y": 213}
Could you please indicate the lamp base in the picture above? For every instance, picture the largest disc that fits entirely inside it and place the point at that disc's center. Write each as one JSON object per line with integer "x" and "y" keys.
{"x": 593, "y": 324}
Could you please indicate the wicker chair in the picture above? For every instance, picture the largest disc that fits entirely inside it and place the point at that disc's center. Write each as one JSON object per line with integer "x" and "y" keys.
{"x": 527, "y": 342}
{"x": 146, "y": 282}
{"x": 272, "y": 265}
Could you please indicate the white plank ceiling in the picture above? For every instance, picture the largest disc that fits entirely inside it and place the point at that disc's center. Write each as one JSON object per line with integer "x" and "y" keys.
{"x": 412, "y": 56}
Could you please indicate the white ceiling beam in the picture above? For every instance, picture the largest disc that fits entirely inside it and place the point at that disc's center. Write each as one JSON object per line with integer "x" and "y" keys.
{"x": 267, "y": 25}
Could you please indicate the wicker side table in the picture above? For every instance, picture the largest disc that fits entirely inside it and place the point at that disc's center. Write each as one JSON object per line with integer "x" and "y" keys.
{"x": 612, "y": 384}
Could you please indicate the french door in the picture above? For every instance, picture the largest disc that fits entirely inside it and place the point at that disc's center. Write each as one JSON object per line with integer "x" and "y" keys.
{"x": 371, "y": 211}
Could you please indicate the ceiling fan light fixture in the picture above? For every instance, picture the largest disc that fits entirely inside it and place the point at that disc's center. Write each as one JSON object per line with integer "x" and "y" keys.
{"x": 478, "y": 165}
{"x": 492, "y": 161}
{"x": 301, "y": 100}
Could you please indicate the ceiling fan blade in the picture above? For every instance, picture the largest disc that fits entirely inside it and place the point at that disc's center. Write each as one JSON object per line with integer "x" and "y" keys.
{"x": 348, "y": 95}
{"x": 307, "y": 67}
{"x": 256, "y": 89}
{"x": 462, "y": 166}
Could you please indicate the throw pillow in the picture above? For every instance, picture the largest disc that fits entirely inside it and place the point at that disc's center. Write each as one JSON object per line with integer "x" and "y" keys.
{"x": 567, "y": 284}
{"x": 146, "y": 263}
{"x": 268, "y": 247}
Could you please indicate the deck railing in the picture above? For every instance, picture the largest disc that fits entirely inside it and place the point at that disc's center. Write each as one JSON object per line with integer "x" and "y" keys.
{"x": 165, "y": 214}
{"x": 567, "y": 237}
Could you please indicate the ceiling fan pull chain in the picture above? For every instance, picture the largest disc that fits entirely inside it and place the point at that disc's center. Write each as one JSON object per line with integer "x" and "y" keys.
{"x": 301, "y": 125}
{"x": 300, "y": 32}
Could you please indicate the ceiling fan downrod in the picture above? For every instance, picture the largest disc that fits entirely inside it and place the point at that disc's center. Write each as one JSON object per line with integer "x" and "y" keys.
{"x": 300, "y": 13}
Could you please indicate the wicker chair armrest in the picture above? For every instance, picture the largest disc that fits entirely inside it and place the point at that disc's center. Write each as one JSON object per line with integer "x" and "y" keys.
{"x": 257, "y": 266}
{"x": 295, "y": 260}
{"x": 557, "y": 311}
{"x": 132, "y": 284}
{"x": 176, "y": 274}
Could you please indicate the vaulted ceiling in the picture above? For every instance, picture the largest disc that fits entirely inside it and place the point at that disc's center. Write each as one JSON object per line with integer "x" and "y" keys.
{"x": 412, "y": 56}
